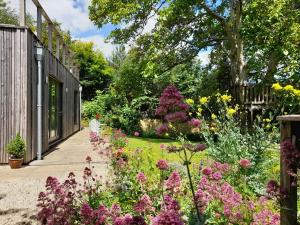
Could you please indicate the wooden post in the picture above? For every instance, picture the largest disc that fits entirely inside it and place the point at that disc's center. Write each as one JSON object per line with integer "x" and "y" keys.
{"x": 39, "y": 23}
{"x": 57, "y": 46}
{"x": 22, "y": 12}
{"x": 50, "y": 30}
{"x": 289, "y": 130}
{"x": 64, "y": 54}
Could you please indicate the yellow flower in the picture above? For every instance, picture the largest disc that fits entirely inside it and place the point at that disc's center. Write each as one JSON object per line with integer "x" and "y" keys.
{"x": 167, "y": 134}
{"x": 277, "y": 86}
{"x": 190, "y": 101}
{"x": 267, "y": 120}
{"x": 288, "y": 88}
{"x": 203, "y": 100}
{"x": 213, "y": 116}
{"x": 200, "y": 110}
{"x": 231, "y": 112}
{"x": 226, "y": 98}
{"x": 296, "y": 92}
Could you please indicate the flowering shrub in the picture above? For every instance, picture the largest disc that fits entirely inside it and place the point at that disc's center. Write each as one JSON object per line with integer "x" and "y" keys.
{"x": 118, "y": 139}
{"x": 219, "y": 192}
{"x": 287, "y": 99}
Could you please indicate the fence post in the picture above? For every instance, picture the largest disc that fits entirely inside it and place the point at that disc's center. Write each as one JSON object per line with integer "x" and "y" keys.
{"x": 289, "y": 130}
{"x": 22, "y": 13}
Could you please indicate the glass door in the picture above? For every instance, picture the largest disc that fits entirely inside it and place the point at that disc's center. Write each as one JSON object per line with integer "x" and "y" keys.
{"x": 54, "y": 110}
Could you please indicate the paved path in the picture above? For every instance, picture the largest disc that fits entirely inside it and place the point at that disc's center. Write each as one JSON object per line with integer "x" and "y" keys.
{"x": 19, "y": 188}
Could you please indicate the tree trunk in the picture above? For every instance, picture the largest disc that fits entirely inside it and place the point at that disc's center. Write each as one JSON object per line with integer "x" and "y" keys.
{"x": 272, "y": 67}
{"x": 236, "y": 55}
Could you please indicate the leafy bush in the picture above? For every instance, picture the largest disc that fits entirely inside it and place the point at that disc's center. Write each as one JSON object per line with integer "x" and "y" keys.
{"x": 16, "y": 147}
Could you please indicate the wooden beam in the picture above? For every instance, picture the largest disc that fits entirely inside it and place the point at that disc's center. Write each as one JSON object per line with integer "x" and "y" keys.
{"x": 290, "y": 131}
{"x": 50, "y": 30}
{"x": 57, "y": 46}
{"x": 64, "y": 54}
{"x": 22, "y": 13}
{"x": 39, "y": 23}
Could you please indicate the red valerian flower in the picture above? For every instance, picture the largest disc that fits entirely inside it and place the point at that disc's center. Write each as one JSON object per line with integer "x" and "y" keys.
{"x": 245, "y": 163}
{"x": 162, "y": 164}
{"x": 141, "y": 178}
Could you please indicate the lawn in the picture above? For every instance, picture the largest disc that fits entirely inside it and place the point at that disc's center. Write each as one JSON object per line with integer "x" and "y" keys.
{"x": 152, "y": 152}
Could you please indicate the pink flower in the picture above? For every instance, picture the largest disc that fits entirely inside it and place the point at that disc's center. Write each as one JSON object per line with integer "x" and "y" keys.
{"x": 162, "y": 129}
{"x": 207, "y": 171}
{"x": 143, "y": 205}
{"x": 162, "y": 146}
{"x": 141, "y": 178}
{"x": 136, "y": 133}
{"x": 195, "y": 122}
{"x": 162, "y": 164}
{"x": 173, "y": 182}
{"x": 245, "y": 163}
{"x": 217, "y": 176}
{"x": 168, "y": 217}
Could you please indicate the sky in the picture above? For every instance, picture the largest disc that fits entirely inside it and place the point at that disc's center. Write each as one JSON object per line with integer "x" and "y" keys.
{"x": 73, "y": 15}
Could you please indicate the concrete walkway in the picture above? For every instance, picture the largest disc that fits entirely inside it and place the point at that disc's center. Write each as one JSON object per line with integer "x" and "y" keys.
{"x": 19, "y": 188}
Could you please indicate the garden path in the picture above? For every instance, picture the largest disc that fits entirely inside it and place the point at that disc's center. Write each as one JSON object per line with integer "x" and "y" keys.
{"x": 19, "y": 188}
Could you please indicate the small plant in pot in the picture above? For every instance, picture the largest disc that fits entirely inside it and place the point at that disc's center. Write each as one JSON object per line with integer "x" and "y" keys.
{"x": 16, "y": 150}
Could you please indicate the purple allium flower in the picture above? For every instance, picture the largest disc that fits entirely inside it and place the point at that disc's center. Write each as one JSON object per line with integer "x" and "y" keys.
{"x": 161, "y": 130}
{"x": 136, "y": 133}
{"x": 141, "y": 178}
{"x": 245, "y": 163}
{"x": 162, "y": 164}
{"x": 195, "y": 122}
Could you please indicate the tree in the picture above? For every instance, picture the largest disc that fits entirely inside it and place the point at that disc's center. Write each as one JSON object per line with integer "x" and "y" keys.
{"x": 9, "y": 16}
{"x": 185, "y": 27}
{"x": 95, "y": 74}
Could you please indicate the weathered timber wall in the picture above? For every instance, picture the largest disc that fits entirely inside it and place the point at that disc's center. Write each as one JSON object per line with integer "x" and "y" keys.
{"x": 18, "y": 92}
{"x": 14, "y": 87}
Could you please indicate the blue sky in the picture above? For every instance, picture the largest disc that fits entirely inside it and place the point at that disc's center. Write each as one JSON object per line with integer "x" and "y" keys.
{"x": 73, "y": 14}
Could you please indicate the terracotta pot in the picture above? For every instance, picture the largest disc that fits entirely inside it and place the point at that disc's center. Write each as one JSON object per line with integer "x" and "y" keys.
{"x": 15, "y": 163}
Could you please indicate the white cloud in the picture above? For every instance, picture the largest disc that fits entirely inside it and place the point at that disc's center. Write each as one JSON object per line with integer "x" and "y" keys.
{"x": 74, "y": 19}
{"x": 99, "y": 41}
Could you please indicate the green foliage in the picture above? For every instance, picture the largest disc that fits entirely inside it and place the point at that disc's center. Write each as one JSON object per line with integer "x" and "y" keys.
{"x": 16, "y": 147}
{"x": 95, "y": 73}
{"x": 259, "y": 39}
{"x": 10, "y": 16}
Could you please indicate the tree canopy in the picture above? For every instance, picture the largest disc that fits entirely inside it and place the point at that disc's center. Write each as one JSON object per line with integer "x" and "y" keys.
{"x": 185, "y": 27}
{"x": 95, "y": 73}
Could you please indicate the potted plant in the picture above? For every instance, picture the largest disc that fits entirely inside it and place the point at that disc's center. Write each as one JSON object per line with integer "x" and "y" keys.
{"x": 16, "y": 150}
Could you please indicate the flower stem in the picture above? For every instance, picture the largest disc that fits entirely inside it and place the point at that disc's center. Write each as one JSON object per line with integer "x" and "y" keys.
{"x": 191, "y": 185}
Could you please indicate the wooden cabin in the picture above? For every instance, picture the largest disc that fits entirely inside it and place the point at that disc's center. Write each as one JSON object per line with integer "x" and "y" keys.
{"x": 18, "y": 87}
